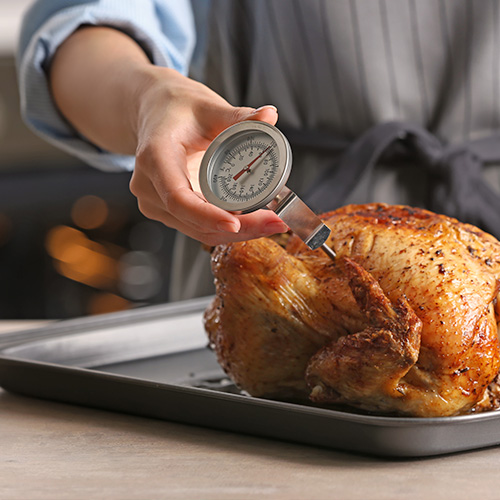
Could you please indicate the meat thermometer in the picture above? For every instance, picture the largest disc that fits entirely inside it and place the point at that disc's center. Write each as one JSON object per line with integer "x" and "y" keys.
{"x": 246, "y": 168}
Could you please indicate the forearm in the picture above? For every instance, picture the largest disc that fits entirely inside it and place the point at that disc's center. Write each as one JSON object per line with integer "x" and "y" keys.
{"x": 96, "y": 78}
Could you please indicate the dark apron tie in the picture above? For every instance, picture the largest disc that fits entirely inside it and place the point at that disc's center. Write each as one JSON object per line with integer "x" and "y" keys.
{"x": 457, "y": 187}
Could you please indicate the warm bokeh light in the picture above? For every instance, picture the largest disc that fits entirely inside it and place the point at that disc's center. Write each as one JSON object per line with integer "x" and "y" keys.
{"x": 103, "y": 302}
{"x": 89, "y": 212}
{"x": 61, "y": 238}
{"x": 81, "y": 259}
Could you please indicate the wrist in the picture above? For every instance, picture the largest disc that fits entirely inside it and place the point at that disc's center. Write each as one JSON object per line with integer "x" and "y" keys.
{"x": 153, "y": 87}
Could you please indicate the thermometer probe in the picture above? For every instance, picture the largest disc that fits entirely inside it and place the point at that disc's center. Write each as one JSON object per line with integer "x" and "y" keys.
{"x": 246, "y": 168}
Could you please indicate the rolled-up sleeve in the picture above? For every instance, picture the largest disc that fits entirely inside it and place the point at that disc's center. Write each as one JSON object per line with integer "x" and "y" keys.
{"x": 163, "y": 28}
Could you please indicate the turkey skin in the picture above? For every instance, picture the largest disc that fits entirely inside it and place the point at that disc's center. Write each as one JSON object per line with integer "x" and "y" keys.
{"x": 404, "y": 321}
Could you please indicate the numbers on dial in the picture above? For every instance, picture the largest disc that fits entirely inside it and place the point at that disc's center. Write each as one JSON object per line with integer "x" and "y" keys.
{"x": 246, "y": 168}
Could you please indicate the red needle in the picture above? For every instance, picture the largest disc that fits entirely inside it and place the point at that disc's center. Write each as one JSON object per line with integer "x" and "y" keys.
{"x": 247, "y": 168}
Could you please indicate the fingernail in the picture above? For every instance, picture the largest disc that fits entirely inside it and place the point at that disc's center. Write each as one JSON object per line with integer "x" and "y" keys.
{"x": 267, "y": 106}
{"x": 227, "y": 226}
{"x": 275, "y": 227}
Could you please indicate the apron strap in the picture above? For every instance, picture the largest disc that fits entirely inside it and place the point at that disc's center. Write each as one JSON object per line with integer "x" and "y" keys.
{"x": 457, "y": 187}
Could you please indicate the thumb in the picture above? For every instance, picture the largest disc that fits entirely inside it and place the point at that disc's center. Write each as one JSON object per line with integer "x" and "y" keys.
{"x": 267, "y": 114}
{"x": 224, "y": 117}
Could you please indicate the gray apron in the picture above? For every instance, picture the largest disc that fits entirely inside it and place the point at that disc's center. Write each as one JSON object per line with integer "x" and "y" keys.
{"x": 392, "y": 101}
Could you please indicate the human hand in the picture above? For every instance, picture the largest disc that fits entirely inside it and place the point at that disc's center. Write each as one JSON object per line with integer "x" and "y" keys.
{"x": 177, "y": 120}
{"x": 119, "y": 101}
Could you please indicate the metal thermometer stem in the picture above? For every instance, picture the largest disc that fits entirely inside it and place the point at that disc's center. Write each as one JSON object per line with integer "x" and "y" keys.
{"x": 301, "y": 220}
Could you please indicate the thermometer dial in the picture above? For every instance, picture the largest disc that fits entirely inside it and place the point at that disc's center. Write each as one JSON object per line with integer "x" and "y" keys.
{"x": 245, "y": 167}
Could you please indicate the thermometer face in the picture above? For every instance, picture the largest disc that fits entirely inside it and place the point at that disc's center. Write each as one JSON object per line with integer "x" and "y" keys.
{"x": 245, "y": 167}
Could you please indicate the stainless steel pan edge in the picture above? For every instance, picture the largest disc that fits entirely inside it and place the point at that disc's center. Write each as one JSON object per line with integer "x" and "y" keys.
{"x": 84, "y": 324}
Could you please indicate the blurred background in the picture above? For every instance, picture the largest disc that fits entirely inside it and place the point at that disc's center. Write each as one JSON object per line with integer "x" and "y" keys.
{"x": 72, "y": 241}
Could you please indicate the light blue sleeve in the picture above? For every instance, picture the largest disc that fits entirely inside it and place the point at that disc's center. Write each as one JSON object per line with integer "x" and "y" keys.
{"x": 164, "y": 28}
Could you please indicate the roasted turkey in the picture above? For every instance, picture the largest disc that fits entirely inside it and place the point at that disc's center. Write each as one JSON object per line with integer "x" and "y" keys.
{"x": 403, "y": 322}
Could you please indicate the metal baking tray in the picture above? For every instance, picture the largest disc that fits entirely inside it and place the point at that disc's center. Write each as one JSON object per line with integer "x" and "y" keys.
{"x": 154, "y": 362}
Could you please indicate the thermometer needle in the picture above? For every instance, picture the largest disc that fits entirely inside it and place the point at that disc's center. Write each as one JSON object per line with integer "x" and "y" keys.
{"x": 247, "y": 168}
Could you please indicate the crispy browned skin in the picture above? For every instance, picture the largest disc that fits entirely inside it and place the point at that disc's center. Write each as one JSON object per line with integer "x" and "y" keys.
{"x": 403, "y": 322}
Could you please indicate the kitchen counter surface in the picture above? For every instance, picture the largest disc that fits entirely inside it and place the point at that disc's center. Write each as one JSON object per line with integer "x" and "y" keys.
{"x": 55, "y": 451}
